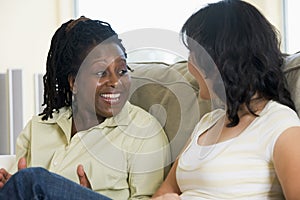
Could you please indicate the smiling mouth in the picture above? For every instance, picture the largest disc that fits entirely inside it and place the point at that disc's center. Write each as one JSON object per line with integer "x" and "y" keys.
{"x": 111, "y": 98}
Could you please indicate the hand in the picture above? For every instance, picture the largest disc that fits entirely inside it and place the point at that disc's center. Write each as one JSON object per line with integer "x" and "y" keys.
{"x": 83, "y": 179}
{"x": 5, "y": 176}
{"x": 168, "y": 196}
{"x": 22, "y": 164}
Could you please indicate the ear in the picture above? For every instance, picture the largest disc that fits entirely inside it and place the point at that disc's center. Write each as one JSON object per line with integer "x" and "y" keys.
{"x": 72, "y": 84}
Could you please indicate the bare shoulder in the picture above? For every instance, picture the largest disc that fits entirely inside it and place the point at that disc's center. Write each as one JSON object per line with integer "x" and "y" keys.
{"x": 287, "y": 161}
{"x": 289, "y": 139}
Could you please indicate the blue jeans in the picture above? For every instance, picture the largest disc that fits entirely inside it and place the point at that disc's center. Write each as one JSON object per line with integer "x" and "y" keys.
{"x": 37, "y": 183}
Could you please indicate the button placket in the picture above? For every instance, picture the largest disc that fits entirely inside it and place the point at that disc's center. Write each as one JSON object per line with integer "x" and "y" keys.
{"x": 57, "y": 159}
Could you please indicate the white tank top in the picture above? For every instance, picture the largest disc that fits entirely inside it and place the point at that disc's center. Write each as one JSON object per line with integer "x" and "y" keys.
{"x": 239, "y": 168}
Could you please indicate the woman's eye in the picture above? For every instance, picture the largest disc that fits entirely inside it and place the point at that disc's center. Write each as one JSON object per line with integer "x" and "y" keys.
{"x": 101, "y": 73}
{"x": 123, "y": 72}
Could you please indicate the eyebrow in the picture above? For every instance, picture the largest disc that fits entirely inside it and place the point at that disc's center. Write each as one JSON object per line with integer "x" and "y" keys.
{"x": 118, "y": 58}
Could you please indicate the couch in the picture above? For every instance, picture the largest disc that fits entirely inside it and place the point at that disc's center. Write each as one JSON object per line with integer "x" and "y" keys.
{"x": 6, "y": 161}
{"x": 170, "y": 93}
{"x": 291, "y": 69}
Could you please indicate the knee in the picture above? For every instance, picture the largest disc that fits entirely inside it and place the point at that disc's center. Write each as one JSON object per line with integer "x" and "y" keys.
{"x": 31, "y": 173}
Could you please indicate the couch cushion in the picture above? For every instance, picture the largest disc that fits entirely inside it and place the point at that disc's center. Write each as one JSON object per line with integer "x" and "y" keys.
{"x": 291, "y": 69}
{"x": 7, "y": 161}
{"x": 170, "y": 93}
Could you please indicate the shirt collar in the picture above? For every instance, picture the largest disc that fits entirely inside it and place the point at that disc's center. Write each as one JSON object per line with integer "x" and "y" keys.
{"x": 64, "y": 119}
{"x": 121, "y": 119}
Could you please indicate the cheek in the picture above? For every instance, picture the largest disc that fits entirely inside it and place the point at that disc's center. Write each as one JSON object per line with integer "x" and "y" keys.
{"x": 126, "y": 82}
{"x": 204, "y": 91}
{"x": 197, "y": 75}
{"x": 88, "y": 88}
{"x": 191, "y": 68}
{"x": 194, "y": 71}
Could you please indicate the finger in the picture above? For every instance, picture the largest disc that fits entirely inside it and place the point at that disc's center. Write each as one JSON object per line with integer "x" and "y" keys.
{"x": 4, "y": 173}
{"x": 22, "y": 164}
{"x": 2, "y": 178}
{"x": 83, "y": 180}
{"x": 81, "y": 175}
{"x": 80, "y": 171}
{"x": 1, "y": 184}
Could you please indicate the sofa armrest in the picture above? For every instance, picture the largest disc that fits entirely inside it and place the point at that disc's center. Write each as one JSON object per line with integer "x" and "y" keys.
{"x": 6, "y": 161}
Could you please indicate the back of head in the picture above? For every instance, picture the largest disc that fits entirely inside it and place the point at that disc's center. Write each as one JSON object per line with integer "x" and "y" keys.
{"x": 70, "y": 44}
{"x": 245, "y": 47}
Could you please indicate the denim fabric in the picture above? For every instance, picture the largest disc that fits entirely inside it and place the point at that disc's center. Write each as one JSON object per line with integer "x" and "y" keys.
{"x": 37, "y": 183}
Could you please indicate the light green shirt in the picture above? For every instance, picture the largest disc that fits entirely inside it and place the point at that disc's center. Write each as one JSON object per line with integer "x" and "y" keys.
{"x": 124, "y": 157}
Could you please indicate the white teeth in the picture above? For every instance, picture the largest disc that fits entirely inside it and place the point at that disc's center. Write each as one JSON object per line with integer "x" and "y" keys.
{"x": 111, "y": 96}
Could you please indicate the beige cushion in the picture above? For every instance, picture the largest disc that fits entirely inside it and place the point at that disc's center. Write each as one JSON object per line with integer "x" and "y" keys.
{"x": 291, "y": 70}
{"x": 6, "y": 161}
{"x": 170, "y": 93}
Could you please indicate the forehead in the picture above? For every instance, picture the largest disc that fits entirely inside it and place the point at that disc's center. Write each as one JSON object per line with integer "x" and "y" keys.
{"x": 106, "y": 51}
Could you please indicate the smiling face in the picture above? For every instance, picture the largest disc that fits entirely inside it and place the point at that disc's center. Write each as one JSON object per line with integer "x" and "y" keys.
{"x": 101, "y": 87}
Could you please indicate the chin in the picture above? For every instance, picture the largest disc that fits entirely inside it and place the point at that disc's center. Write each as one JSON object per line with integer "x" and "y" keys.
{"x": 205, "y": 96}
{"x": 106, "y": 110}
{"x": 111, "y": 112}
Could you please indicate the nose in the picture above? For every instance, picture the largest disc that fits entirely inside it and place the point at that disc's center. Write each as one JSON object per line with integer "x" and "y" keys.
{"x": 113, "y": 80}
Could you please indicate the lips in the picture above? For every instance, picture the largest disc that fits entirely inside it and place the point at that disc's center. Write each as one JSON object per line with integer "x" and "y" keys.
{"x": 111, "y": 98}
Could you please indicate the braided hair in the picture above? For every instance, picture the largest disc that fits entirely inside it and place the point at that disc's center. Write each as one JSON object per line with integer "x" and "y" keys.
{"x": 70, "y": 44}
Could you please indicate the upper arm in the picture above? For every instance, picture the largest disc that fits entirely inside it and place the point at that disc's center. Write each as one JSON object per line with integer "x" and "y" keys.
{"x": 287, "y": 162}
{"x": 23, "y": 141}
{"x": 22, "y": 147}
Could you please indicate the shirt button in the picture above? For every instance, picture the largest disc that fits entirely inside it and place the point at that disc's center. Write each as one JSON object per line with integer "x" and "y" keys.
{"x": 55, "y": 163}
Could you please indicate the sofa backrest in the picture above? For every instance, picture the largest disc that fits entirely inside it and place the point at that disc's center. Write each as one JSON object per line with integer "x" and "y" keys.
{"x": 170, "y": 93}
{"x": 291, "y": 69}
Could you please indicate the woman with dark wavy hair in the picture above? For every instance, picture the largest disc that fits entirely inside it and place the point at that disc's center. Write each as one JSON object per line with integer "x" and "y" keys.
{"x": 249, "y": 149}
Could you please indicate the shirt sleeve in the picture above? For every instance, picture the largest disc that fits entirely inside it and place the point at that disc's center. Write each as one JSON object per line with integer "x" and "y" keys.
{"x": 147, "y": 166}
{"x": 22, "y": 147}
{"x": 277, "y": 123}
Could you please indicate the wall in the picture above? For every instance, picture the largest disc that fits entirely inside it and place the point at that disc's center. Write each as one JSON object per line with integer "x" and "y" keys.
{"x": 273, "y": 11}
{"x": 26, "y": 31}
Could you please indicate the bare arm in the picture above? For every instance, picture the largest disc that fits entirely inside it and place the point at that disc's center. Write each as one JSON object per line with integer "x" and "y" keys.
{"x": 287, "y": 162}
{"x": 168, "y": 196}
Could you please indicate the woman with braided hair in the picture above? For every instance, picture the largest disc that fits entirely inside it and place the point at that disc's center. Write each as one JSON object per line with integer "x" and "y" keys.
{"x": 87, "y": 120}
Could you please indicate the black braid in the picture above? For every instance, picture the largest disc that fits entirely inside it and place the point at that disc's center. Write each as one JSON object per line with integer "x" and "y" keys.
{"x": 70, "y": 45}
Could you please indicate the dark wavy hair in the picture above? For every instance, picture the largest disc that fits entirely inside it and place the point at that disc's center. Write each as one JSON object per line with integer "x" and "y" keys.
{"x": 70, "y": 44}
{"x": 245, "y": 47}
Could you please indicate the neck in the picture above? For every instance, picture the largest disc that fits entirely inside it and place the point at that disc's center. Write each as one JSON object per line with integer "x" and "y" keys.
{"x": 256, "y": 106}
{"x": 83, "y": 121}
